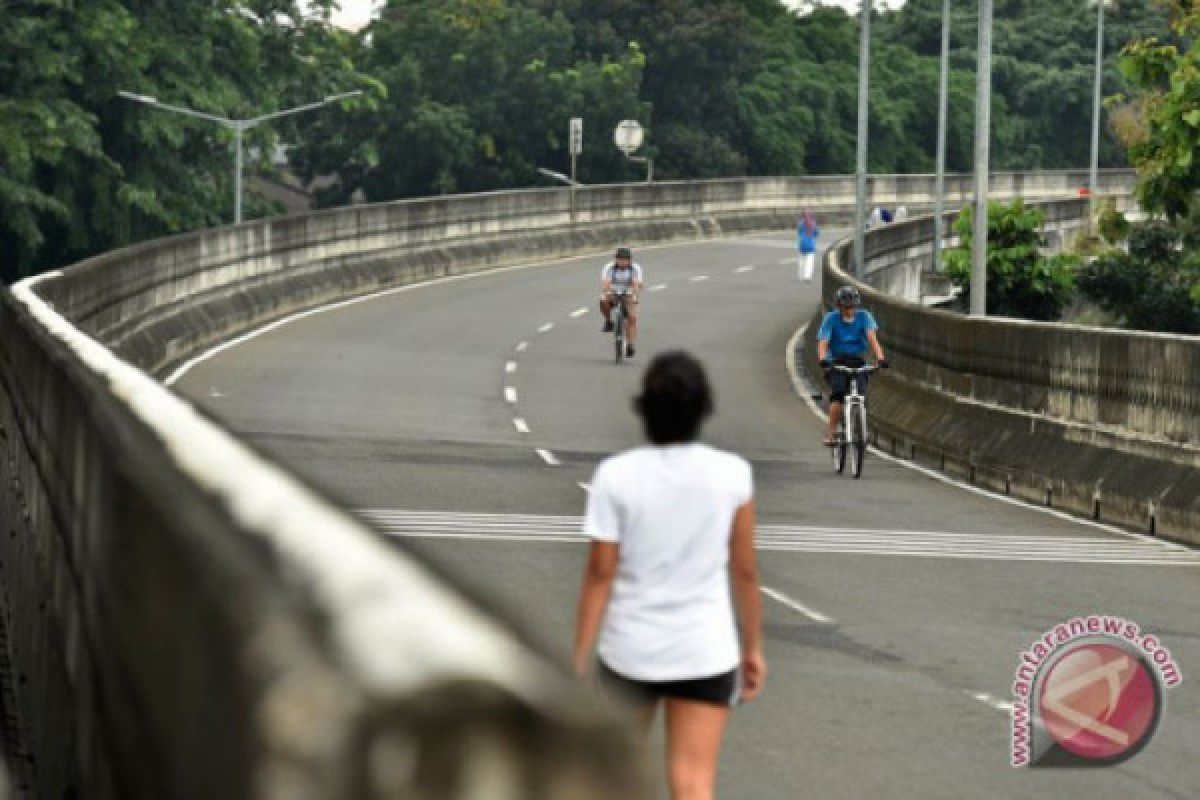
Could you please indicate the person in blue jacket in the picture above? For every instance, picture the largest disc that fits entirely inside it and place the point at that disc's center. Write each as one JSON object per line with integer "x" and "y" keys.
{"x": 844, "y": 337}
{"x": 806, "y": 247}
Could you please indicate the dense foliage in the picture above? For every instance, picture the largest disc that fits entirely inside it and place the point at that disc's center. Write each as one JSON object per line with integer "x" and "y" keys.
{"x": 1149, "y": 287}
{"x": 466, "y": 95}
{"x": 1021, "y": 282}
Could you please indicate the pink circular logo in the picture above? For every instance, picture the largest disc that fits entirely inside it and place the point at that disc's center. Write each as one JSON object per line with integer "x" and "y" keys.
{"x": 1099, "y": 701}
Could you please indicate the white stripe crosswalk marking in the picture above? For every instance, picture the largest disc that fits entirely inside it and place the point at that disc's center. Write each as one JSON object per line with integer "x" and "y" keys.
{"x": 809, "y": 539}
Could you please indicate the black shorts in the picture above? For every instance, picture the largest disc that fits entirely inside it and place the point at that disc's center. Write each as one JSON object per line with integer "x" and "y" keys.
{"x": 720, "y": 690}
{"x": 839, "y": 382}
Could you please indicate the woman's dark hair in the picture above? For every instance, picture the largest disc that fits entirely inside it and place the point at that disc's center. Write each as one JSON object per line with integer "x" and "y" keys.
{"x": 675, "y": 398}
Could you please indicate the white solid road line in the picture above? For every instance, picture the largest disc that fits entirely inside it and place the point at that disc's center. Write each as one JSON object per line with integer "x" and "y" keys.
{"x": 811, "y": 539}
{"x": 697, "y": 278}
{"x": 746, "y": 268}
{"x": 780, "y": 597}
{"x": 545, "y": 328}
{"x": 521, "y": 425}
{"x": 804, "y": 391}
{"x": 548, "y": 457}
{"x": 510, "y": 394}
{"x": 579, "y": 312}
{"x": 510, "y": 366}
{"x": 522, "y": 347}
{"x": 658, "y": 287}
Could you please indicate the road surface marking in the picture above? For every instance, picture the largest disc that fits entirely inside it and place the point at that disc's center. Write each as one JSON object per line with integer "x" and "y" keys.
{"x": 787, "y": 261}
{"x": 510, "y": 366}
{"x": 548, "y": 457}
{"x": 805, "y": 393}
{"x": 579, "y": 312}
{"x": 697, "y": 278}
{"x": 832, "y": 541}
{"x": 746, "y": 268}
{"x": 545, "y": 328}
{"x": 522, "y": 347}
{"x": 991, "y": 702}
{"x": 586, "y": 487}
{"x": 521, "y": 425}
{"x": 658, "y": 287}
{"x": 510, "y": 394}
{"x": 780, "y": 597}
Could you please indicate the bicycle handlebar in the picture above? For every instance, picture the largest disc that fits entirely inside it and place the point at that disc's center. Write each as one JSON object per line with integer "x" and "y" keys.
{"x": 855, "y": 370}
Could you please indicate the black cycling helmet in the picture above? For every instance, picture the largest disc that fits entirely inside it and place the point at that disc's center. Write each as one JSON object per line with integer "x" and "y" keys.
{"x": 624, "y": 252}
{"x": 848, "y": 296}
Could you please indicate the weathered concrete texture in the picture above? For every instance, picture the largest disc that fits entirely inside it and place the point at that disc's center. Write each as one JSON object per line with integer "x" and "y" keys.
{"x": 1105, "y": 423}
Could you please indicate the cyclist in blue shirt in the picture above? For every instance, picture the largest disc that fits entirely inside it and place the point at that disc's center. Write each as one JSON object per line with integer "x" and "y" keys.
{"x": 844, "y": 337}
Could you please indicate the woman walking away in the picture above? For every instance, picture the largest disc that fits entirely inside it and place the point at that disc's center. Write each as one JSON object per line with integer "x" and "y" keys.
{"x": 671, "y": 525}
{"x": 806, "y": 247}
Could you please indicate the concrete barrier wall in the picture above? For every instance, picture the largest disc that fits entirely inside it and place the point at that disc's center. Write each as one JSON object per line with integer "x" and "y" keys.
{"x": 1102, "y": 422}
{"x": 185, "y": 620}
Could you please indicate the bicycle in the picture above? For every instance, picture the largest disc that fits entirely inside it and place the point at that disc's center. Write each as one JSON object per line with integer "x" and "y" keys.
{"x": 620, "y": 318}
{"x": 852, "y": 430}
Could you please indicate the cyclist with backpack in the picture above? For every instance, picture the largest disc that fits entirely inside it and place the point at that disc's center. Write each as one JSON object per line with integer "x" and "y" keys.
{"x": 844, "y": 337}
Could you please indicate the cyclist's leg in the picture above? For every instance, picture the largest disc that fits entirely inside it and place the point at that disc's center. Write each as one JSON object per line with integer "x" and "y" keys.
{"x": 837, "y": 395}
{"x": 606, "y": 305}
{"x": 631, "y": 311}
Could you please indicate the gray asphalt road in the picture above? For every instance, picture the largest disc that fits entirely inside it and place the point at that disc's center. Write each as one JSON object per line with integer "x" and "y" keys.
{"x": 899, "y": 603}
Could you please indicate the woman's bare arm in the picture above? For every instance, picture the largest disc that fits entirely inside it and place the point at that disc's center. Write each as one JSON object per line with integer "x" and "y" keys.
{"x": 743, "y": 570}
{"x": 598, "y": 577}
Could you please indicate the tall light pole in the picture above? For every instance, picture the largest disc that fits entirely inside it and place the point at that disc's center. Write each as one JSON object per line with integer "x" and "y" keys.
{"x": 860, "y": 185}
{"x": 943, "y": 108}
{"x": 983, "y": 125}
{"x": 1094, "y": 176}
{"x": 239, "y": 127}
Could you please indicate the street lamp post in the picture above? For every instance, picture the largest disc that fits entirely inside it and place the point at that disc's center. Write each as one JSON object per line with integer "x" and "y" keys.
{"x": 238, "y": 126}
{"x": 943, "y": 106}
{"x": 983, "y": 124}
{"x": 1094, "y": 176}
{"x": 860, "y": 182}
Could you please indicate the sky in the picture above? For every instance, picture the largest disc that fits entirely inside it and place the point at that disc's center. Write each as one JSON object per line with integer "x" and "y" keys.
{"x": 356, "y": 13}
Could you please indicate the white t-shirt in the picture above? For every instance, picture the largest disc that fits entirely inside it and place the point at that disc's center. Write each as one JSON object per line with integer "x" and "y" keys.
{"x": 671, "y": 510}
{"x": 621, "y": 279}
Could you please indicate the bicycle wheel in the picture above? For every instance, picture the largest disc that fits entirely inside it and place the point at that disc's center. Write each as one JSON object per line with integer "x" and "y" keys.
{"x": 839, "y": 449}
{"x": 619, "y": 337}
{"x": 858, "y": 425}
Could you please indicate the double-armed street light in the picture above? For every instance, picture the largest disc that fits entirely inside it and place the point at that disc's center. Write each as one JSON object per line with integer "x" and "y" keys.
{"x": 239, "y": 127}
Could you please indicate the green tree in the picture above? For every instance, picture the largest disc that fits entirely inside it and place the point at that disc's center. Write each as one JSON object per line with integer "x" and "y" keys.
{"x": 1021, "y": 282}
{"x": 1151, "y": 287}
{"x": 83, "y": 171}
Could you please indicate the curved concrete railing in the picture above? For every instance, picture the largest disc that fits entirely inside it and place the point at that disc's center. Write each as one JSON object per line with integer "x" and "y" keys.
{"x": 185, "y": 620}
{"x": 1102, "y": 422}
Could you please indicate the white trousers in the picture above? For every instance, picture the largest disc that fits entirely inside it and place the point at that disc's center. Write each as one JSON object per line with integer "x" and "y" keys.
{"x": 804, "y": 266}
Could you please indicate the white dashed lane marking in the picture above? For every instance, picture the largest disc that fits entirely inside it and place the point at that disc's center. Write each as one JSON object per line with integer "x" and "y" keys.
{"x": 991, "y": 702}
{"x": 510, "y": 366}
{"x": 795, "y": 605}
{"x": 746, "y": 268}
{"x": 521, "y": 425}
{"x": 510, "y": 394}
{"x": 546, "y": 328}
{"x": 522, "y": 347}
{"x": 697, "y": 278}
{"x": 579, "y": 312}
{"x": 548, "y": 457}
{"x": 658, "y": 287}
